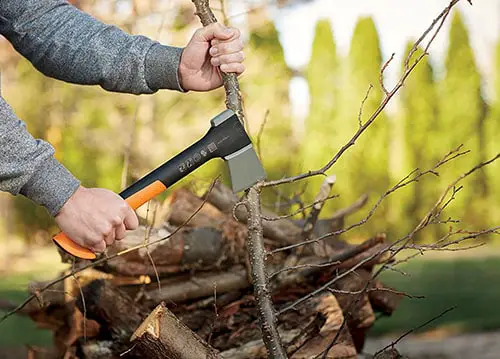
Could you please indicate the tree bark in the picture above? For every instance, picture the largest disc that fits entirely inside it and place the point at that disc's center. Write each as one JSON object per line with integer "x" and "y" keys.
{"x": 188, "y": 249}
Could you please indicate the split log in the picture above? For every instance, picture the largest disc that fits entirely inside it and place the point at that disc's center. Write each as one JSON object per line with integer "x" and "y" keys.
{"x": 163, "y": 336}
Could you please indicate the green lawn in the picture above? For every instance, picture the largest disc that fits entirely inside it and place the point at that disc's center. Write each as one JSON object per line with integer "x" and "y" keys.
{"x": 18, "y": 330}
{"x": 470, "y": 284}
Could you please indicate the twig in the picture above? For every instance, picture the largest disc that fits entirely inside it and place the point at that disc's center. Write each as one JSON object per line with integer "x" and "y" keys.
{"x": 382, "y": 74}
{"x": 360, "y": 113}
{"x": 259, "y": 135}
{"x": 324, "y": 192}
{"x": 299, "y": 210}
{"x": 344, "y": 212}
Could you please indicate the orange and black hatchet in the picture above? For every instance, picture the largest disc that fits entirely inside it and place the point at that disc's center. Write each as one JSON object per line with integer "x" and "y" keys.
{"x": 225, "y": 139}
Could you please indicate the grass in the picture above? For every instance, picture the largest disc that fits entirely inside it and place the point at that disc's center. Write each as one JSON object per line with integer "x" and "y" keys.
{"x": 472, "y": 285}
{"x": 16, "y": 271}
{"x": 17, "y": 330}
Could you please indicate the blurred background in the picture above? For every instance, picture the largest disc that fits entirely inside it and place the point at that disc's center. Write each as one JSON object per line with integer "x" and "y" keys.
{"x": 309, "y": 66}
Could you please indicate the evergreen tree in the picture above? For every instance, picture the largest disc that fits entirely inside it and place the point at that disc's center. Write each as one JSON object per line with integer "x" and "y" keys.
{"x": 419, "y": 105}
{"x": 265, "y": 88}
{"x": 461, "y": 118}
{"x": 492, "y": 129}
{"x": 364, "y": 167}
{"x": 323, "y": 78}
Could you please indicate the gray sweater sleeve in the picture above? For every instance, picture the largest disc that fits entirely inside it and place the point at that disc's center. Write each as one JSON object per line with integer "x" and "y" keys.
{"x": 64, "y": 43}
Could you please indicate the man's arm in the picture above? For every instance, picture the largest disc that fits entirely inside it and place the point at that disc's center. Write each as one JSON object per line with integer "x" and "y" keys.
{"x": 65, "y": 43}
{"x": 92, "y": 217}
{"x": 28, "y": 166}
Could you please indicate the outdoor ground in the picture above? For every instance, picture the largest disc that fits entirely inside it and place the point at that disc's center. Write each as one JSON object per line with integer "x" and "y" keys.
{"x": 469, "y": 281}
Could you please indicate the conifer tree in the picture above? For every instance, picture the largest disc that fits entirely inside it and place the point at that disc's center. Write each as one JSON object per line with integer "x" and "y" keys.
{"x": 321, "y": 124}
{"x": 492, "y": 131}
{"x": 419, "y": 105}
{"x": 265, "y": 87}
{"x": 364, "y": 167}
{"x": 461, "y": 116}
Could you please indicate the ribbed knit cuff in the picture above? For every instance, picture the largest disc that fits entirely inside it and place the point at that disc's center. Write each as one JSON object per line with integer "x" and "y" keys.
{"x": 162, "y": 67}
{"x": 51, "y": 186}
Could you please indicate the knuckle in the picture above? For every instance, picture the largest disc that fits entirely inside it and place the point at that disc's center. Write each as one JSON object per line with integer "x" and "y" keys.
{"x": 115, "y": 221}
{"x": 94, "y": 240}
{"x": 107, "y": 229}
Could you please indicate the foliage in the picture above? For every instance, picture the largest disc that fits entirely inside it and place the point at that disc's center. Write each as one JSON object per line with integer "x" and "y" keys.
{"x": 419, "y": 114}
{"x": 323, "y": 78}
{"x": 491, "y": 133}
{"x": 462, "y": 111}
{"x": 265, "y": 89}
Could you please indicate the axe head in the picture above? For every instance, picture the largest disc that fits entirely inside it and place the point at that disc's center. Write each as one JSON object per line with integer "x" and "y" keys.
{"x": 231, "y": 142}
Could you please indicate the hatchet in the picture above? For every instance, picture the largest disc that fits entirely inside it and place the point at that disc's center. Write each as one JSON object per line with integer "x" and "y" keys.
{"x": 226, "y": 139}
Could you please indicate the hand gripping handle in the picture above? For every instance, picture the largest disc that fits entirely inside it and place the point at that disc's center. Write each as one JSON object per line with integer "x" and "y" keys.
{"x": 134, "y": 200}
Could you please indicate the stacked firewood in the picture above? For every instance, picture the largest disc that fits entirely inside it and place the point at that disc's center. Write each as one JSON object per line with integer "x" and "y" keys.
{"x": 190, "y": 295}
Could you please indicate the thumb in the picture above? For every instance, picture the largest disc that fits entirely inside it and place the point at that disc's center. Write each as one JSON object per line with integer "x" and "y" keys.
{"x": 213, "y": 31}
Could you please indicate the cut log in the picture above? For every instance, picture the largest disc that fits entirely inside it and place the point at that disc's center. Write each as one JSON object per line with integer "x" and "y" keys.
{"x": 187, "y": 249}
{"x": 163, "y": 336}
{"x": 183, "y": 204}
{"x": 186, "y": 287}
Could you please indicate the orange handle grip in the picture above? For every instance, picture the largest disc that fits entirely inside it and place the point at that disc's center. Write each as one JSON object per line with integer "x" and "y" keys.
{"x": 135, "y": 201}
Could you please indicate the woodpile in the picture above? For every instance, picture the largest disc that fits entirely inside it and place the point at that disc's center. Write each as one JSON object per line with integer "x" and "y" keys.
{"x": 190, "y": 296}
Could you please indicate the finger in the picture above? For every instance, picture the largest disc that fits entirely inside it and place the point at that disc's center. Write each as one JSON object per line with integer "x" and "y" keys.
{"x": 110, "y": 238}
{"x": 213, "y": 31}
{"x": 226, "y": 48}
{"x": 99, "y": 247}
{"x": 120, "y": 232}
{"x": 218, "y": 41}
{"x": 237, "y": 57}
{"x": 130, "y": 221}
{"x": 233, "y": 68}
